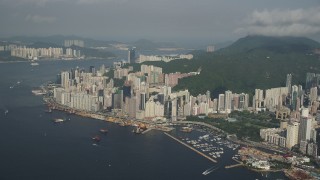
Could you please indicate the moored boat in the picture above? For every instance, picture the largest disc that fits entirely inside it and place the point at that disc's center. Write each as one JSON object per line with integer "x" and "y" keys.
{"x": 96, "y": 138}
{"x": 104, "y": 131}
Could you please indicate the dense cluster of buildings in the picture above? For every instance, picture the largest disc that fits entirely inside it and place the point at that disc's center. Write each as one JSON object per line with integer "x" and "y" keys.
{"x": 35, "y": 53}
{"x": 74, "y": 42}
{"x": 146, "y": 94}
{"x": 296, "y": 108}
{"x": 167, "y": 58}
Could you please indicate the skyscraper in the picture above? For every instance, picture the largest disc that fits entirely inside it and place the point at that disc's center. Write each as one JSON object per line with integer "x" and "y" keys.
{"x": 288, "y": 82}
{"x": 310, "y": 80}
{"x": 228, "y": 99}
{"x": 305, "y": 128}
{"x": 292, "y": 134}
{"x": 221, "y": 102}
{"x": 131, "y": 55}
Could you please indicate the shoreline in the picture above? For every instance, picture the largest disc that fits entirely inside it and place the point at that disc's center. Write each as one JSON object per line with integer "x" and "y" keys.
{"x": 121, "y": 122}
{"x": 45, "y": 60}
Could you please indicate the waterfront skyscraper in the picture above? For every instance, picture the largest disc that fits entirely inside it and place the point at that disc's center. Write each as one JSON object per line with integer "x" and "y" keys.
{"x": 131, "y": 55}
{"x": 65, "y": 77}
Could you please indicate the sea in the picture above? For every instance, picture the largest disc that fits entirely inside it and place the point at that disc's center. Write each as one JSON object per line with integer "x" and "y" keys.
{"x": 33, "y": 147}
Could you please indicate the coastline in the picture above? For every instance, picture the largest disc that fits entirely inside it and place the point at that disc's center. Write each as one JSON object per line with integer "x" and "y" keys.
{"x": 122, "y": 122}
{"x": 42, "y": 60}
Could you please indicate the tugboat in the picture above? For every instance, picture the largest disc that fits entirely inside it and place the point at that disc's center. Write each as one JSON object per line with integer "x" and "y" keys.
{"x": 104, "y": 131}
{"x": 96, "y": 138}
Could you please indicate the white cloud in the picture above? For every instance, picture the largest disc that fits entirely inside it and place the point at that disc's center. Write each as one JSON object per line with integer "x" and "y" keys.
{"x": 40, "y": 19}
{"x": 279, "y": 22}
{"x": 99, "y": 1}
{"x": 43, "y": 3}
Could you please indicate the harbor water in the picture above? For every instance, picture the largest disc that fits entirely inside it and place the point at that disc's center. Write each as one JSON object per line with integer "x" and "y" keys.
{"x": 33, "y": 147}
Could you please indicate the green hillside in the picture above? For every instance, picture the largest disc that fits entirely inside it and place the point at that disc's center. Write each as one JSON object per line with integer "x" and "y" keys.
{"x": 251, "y": 62}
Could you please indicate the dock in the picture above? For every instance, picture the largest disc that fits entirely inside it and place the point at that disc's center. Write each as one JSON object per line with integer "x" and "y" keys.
{"x": 202, "y": 154}
{"x": 147, "y": 130}
{"x": 232, "y": 166}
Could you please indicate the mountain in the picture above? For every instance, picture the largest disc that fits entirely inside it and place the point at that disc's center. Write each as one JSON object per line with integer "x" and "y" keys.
{"x": 249, "y": 63}
{"x": 285, "y": 44}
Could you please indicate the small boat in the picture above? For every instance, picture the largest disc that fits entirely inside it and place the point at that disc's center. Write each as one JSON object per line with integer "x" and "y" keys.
{"x": 71, "y": 112}
{"x": 186, "y": 129}
{"x": 34, "y": 64}
{"x": 104, "y": 131}
{"x": 137, "y": 131}
{"x": 96, "y": 138}
{"x": 58, "y": 120}
{"x": 6, "y": 112}
{"x": 48, "y": 111}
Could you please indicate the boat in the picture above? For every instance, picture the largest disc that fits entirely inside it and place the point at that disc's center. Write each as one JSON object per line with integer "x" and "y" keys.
{"x": 58, "y": 120}
{"x": 6, "y": 112}
{"x": 48, "y": 111}
{"x": 208, "y": 171}
{"x": 137, "y": 131}
{"x": 96, "y": 138}
{"x": 38, "y": 92}
{"x": 104, "y": 131}
{"x": 34, "y": 64}
{"x": 71, "y": 112}
{"x": 186, "y": 129}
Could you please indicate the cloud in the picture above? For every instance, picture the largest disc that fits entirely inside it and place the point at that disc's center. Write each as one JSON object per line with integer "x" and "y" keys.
{"x": 277, "y": 22}
{"x": 40, "y": 19}
{"x": 43, "y": 3}
{"x": 99, "y": 1}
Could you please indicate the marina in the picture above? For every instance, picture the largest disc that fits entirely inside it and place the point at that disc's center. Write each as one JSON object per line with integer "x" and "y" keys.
{"x": 190, "y": 147}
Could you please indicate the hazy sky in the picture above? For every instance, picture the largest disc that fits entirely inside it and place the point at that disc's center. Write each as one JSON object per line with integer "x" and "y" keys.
{"x": 164, "y": 20}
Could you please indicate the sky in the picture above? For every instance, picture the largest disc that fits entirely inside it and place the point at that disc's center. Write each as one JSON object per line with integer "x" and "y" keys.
{"x": 160, "y": 20}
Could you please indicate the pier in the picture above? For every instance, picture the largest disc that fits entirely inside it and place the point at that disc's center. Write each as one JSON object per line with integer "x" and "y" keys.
{"x": 202, "y": 154}
{"x": 232, "y": 166}
{"x": 147, "y": 130}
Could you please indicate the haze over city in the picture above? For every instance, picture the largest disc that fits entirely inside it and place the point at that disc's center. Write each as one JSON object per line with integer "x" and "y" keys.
{"x": 165, "y": 20}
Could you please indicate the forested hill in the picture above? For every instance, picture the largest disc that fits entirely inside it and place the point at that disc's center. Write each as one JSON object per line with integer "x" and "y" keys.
{"x": 249, "y": 63}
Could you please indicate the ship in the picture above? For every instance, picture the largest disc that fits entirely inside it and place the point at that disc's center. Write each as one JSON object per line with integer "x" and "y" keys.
{"x": 38, "y": 92}
{"x": 186, "y": 129}
{"x": 58, "y": 120}
{"x": 208, "y": 171}
{"x": 6, "y": 112}
{"x": 96, "y": 138}
{"x": 104, "y": 131}
{"x": 34, "y": 64}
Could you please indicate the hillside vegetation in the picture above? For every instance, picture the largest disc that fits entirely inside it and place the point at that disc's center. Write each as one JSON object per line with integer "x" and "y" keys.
{"x": 249, "y": 63}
